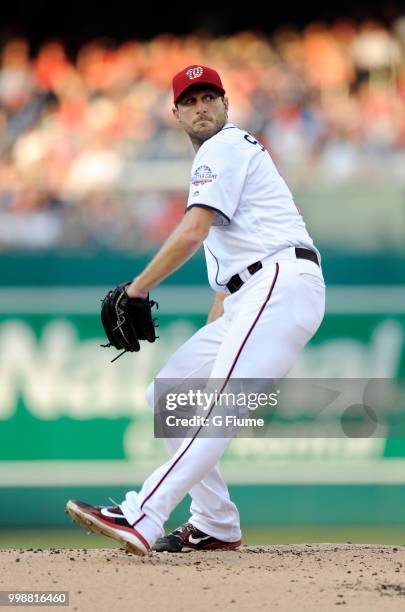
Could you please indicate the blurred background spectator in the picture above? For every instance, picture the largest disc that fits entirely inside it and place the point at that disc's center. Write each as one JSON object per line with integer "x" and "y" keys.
{"x": 91, "y": 156}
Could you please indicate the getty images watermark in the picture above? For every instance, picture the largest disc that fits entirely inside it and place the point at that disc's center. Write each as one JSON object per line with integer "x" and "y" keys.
{"x": 306, "y": 408}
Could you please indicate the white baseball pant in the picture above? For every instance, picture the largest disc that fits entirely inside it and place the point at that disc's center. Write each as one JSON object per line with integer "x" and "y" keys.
{"x": 264, "y": 327}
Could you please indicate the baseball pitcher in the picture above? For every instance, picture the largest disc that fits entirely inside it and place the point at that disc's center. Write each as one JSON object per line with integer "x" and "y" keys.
{"x": 269, "y": 301}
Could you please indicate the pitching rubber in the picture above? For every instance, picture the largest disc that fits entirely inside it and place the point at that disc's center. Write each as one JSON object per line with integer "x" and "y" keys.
{"x": 130, "y": 542}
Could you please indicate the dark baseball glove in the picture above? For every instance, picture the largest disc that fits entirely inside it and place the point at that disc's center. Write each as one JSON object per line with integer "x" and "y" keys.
{"x": 127, "y": 320}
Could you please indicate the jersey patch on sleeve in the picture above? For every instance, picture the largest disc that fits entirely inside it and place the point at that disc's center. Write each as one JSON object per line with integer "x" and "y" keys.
{"x": 203, "y": 175}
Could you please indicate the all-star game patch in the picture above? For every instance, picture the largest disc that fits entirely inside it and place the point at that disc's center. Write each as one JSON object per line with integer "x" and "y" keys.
{"x": 203, "y": 175}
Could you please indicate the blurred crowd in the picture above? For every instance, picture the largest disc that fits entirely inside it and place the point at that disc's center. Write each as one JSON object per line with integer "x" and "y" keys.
{"x": 328, "y": 102}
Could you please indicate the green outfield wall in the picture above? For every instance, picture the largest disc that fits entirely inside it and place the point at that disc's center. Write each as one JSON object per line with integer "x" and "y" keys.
{"x": 94, "y": 268}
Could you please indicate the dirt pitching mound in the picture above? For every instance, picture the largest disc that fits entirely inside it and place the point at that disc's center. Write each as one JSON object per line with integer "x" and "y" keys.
{"x": 289, "y": 577}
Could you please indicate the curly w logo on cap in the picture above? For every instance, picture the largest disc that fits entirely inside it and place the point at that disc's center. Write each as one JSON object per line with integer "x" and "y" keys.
{"x": 194, "y": 73}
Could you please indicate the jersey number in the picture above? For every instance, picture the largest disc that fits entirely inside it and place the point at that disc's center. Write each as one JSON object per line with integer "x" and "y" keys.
{"x": 253, "y": 141}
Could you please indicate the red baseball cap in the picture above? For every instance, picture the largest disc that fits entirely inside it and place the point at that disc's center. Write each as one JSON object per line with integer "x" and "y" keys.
{"x": 195, "y": 75}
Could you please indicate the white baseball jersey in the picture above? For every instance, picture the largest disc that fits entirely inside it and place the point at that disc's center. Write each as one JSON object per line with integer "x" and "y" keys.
{"x": 257, "y": 216}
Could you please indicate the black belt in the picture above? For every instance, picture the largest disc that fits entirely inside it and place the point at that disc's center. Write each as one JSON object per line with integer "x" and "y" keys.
{"x": 236, "y": 282}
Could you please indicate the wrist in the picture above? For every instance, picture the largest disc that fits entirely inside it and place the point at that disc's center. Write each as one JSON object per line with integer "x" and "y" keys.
{"x": 137, "y": 289}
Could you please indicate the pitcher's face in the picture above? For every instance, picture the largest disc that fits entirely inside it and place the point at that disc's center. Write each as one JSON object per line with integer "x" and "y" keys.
{"x": 202, "y": 112}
